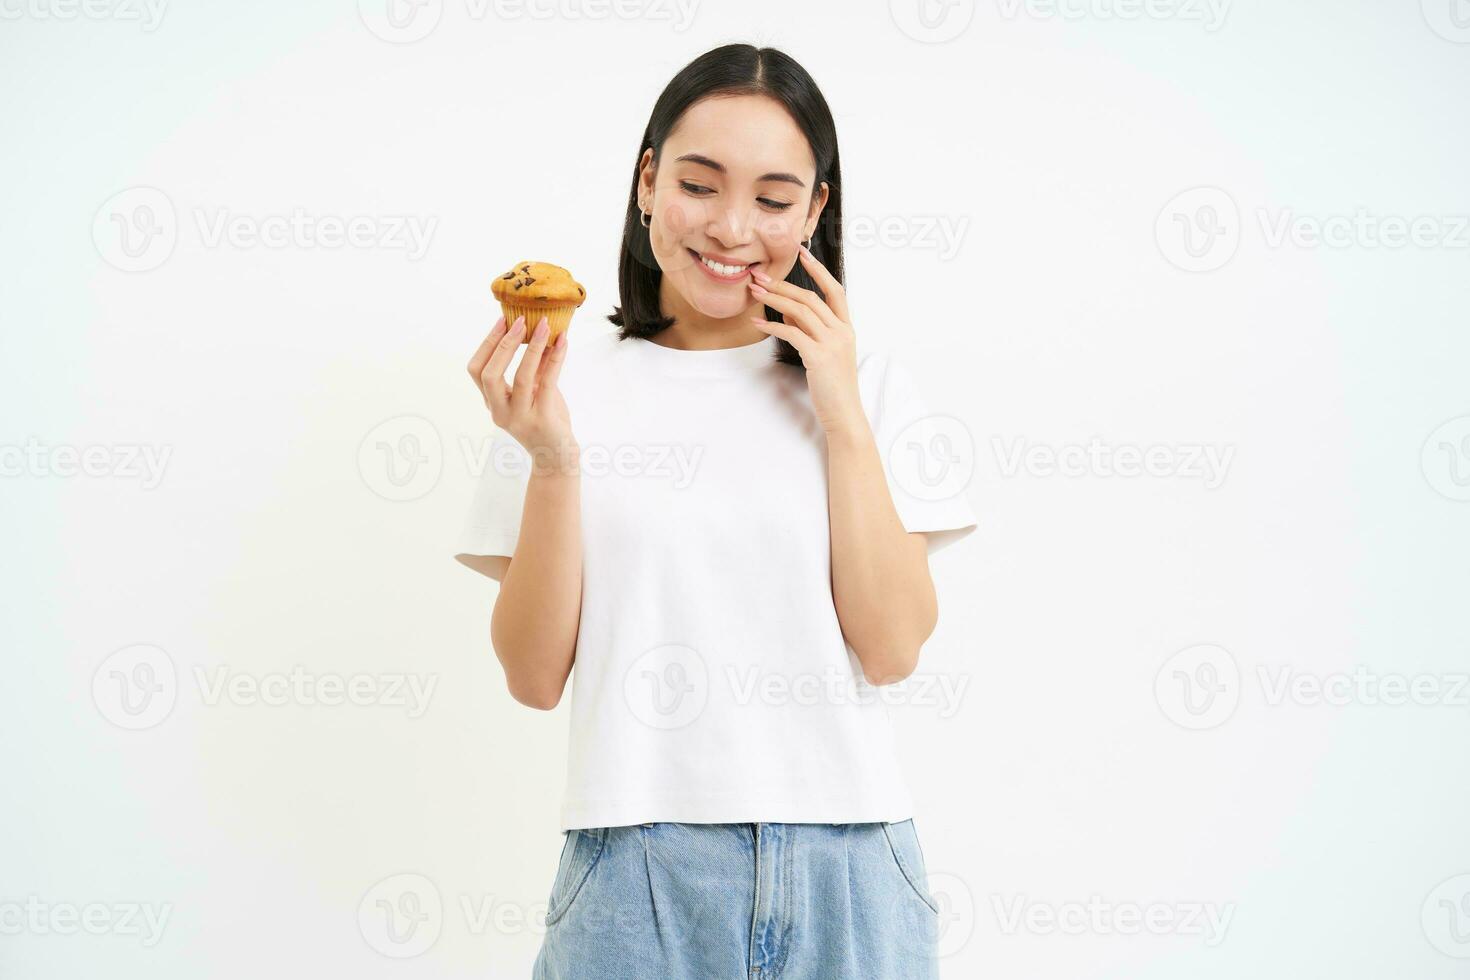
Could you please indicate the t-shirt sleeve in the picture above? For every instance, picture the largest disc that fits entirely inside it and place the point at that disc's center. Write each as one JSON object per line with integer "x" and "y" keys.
{"x": 493, "y": 522}
{"x": 928, "y": 457}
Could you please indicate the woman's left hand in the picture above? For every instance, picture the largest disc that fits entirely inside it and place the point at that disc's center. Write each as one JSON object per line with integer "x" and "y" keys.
{"x": 821, "y": 331}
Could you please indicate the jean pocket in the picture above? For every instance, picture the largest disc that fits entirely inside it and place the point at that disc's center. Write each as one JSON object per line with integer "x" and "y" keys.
{"x": 580, "y": 853}
{"x": 908, "y": 856}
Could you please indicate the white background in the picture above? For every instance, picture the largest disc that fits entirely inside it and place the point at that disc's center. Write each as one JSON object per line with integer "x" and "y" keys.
{"x": 1054, "y": 144}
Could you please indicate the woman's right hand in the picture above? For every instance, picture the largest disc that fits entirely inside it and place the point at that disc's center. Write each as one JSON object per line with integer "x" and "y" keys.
{"x": 531, "y": 409}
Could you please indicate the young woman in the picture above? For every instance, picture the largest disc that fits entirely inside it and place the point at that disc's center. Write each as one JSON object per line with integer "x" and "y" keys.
{"x": 725, "y": 553}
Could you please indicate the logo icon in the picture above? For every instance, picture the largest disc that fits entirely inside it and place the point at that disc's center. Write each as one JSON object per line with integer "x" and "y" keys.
{"x": 933, "y": 458}
{"x": 136, "y": 687}
{"x": 1199, "y": 229}
{"x": 1198, "y": 687}
{"x": 932, "y": 21}
{"x": 402, "y": 458}
{"x": 1446, "y": 917}
{"x": 1445, "y": 459}
{"x": 667, "y": 687}
{"x": 401, "y": 916}
{"x": 1450, "y": 19}
{"x": 136, "y": 230}
{"x": 940, "y": 934}
{"x": 400, "y": 21}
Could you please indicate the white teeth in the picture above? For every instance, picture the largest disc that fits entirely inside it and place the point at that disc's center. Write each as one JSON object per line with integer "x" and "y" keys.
{"x": 724, "y": 270}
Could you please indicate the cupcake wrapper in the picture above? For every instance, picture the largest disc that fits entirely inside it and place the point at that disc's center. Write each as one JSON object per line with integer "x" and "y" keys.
{"x": 558, "y": 318}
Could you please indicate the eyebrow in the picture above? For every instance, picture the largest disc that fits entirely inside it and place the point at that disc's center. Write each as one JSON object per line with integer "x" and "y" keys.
{"x": 718, "y": 167}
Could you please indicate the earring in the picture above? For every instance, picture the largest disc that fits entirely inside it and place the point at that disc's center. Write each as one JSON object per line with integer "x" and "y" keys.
{"x": 645, "y": 214}
{"x": 808, "y": 243}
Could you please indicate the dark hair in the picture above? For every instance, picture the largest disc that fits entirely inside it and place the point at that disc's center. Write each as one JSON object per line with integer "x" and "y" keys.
{"x": 732, "y": 69}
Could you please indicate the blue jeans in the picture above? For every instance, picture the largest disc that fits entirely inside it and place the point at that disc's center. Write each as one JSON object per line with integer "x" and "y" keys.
{"x": 741, "y": 901}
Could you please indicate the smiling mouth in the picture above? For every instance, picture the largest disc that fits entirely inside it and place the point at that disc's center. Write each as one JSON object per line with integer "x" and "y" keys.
{"x": 722, "y": 271}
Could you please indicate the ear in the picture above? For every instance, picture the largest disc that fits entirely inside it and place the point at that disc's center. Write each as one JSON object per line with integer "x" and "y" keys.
{"x": 646, "y": 170}
{"x": 819, "y": 201}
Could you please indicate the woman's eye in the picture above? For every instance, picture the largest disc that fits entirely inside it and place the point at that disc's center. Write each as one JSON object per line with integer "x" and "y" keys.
{"x": 699, "y": 191}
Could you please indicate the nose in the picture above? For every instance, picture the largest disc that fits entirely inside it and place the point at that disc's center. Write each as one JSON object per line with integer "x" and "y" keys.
{"x": 733, "y": 227}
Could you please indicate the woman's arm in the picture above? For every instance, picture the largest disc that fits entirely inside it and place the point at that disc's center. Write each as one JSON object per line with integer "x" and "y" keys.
{"x": 880, "y": 572}
{"x": 533, "y": 627}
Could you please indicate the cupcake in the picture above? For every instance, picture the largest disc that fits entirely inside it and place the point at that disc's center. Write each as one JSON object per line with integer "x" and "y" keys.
{"x": 537, "y": 289}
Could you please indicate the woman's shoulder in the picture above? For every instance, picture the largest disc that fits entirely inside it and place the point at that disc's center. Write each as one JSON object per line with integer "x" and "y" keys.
{"x": 873, "y": 366}
{"x": 887, "y": 383}
{"x": 872, "y": 359}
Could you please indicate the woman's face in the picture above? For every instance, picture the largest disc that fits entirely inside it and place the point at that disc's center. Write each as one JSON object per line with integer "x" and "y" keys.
{"x": 734, "y": 185}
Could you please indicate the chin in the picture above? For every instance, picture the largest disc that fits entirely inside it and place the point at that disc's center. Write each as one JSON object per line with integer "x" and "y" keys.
{"x": 714, "y": 302}
{"x": 720, "y": 311}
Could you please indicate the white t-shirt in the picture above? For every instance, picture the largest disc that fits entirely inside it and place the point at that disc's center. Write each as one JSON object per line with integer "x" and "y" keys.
{"x": 712, "y": 682}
